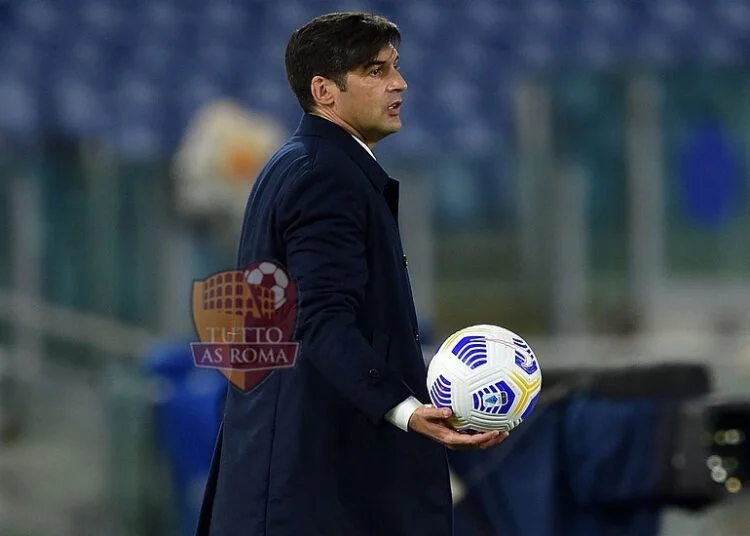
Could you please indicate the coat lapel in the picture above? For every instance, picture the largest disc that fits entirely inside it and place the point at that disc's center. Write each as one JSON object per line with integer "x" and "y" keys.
{"x": 391, "y": 193}
{"x": 312, "y": 125}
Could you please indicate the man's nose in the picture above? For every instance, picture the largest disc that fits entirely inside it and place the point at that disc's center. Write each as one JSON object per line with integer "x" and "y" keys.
{"x": 399, "y": 83}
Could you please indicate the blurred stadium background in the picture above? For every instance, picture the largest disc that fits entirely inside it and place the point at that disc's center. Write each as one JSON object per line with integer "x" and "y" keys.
{"x": 575, "y": 170}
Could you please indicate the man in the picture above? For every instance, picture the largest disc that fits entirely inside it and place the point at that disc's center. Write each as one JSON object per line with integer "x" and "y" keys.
{"x": 343, "y": 443}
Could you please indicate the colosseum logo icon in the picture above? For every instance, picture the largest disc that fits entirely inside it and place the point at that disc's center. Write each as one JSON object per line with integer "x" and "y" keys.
{"x": 245, "y": 320}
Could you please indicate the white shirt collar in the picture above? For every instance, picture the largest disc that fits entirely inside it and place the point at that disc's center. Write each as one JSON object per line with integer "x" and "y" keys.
{"x": 364, "y": 145}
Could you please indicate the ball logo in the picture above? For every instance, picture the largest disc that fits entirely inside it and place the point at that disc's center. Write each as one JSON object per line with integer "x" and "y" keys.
{"x": 495, "y": 399}
{"x": 245, "y": 321}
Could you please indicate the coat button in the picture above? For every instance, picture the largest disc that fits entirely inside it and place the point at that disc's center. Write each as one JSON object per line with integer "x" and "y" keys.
{"x": 416, "y": 335}
{"x": 374, "y": 373}
{"x": 406, "y": 263}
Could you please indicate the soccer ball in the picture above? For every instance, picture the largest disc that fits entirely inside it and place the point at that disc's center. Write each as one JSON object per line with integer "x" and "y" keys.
{"x": 488, "y": 376}
{"x": 271, "y": 276}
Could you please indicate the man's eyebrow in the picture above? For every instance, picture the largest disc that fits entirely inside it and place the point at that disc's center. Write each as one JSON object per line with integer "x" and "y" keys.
{"x": 373, "y": 63}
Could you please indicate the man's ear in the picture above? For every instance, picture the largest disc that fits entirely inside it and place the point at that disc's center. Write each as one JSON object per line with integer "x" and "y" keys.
{"x": 323, "y": 90}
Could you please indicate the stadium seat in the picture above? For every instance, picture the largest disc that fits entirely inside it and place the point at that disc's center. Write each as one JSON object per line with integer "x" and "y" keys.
{"x": 43, "y": 19}
{"x": 81, "y": 109}
{"x": 19, "y": 113}
{"x": 457, "y": 58}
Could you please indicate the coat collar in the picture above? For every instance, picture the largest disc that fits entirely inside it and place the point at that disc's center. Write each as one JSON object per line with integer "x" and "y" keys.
{"x": 312, "y": 125}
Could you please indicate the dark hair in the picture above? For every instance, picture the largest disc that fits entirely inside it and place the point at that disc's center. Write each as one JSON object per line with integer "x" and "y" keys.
{"x": 333, "y": 45}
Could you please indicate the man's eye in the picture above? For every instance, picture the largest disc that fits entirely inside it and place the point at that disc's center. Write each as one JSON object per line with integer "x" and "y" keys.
{"x": 376, "y": 71}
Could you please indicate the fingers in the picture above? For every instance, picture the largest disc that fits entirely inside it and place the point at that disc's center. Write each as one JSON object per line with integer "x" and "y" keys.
{"x": 436, "y": 423}
{"x": 494, "y": 441}
{"x": 457, "y": 441}
{"x": 434, "y": 414}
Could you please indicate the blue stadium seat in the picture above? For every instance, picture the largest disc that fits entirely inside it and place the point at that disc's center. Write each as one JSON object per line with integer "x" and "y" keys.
{"x": 285, "y": 17}
{"x": 105, "y": 20}
{"x": 269, "y": 95}
{"x": 193, "y": 93}
{"x": 607, "y": 15}
{"x": 154, "y": 59}
{"x": 80, "y": 108}
{"x": 87, "y": 58}
{"x": 458, "y": 58}
{"x": 224, "y": 22}
{"x": 456, "y": 97}
{"x": 214, "y": 62}
{"x": 487, "y": 19}
{"x": 43, "y": 19}
{"x": 19, "y": 113}
{"x": 476, "y": 137}
{"x": 424, "y": 15}
{"x": 597, "y": 48}
{"x": 414, "y": 140}
{"x": 718, "y": 48}
{"x": 732, "y": 17}
{"x": 138, "y": 140}
{"x": 164, "y": 20}
{"x": 137, "y": 97}
{"x": 21, "y": 55}
{"x": 472, "y": 56}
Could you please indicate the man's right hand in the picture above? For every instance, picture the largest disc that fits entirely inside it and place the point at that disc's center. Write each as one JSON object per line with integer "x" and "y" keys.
{"x": 434, "y": 423}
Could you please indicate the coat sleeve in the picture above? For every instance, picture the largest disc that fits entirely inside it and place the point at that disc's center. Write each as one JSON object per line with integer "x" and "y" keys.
{"x": 322, "y": 219}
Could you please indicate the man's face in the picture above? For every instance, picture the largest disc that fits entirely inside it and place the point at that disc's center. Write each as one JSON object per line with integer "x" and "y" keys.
{"x": 371, "y": 104}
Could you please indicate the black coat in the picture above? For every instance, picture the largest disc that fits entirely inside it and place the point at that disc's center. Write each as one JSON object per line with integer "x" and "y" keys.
{"x": 307, "y": 452}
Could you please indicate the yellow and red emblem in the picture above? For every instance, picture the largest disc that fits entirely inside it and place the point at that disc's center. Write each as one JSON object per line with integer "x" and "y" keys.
{"x": 245, "y": 321}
